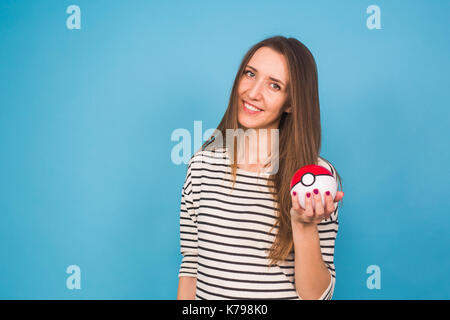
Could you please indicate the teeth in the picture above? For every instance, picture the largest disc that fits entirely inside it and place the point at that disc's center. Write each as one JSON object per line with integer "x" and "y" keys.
{"x": 251, "y": 108}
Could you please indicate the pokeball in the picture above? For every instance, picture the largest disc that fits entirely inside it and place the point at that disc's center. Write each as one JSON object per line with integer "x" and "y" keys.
{"x": 311, "y": 177}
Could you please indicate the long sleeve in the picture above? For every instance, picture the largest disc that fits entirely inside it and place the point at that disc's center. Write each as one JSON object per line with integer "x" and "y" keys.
{"x": 188, "y": 229}
{"x": 327, "y": 234}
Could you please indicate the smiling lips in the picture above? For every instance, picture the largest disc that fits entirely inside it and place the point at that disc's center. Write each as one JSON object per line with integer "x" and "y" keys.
{"x": 251, "y": 109}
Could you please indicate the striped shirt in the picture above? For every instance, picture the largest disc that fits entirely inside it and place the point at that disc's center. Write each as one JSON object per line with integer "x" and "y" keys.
{"x": 224, "y": 233}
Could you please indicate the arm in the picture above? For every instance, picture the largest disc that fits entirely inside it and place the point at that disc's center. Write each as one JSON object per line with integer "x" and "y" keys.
{"x": 312, "y": 278}
{"x": 187, "y": 275}
{"x": 186, "y": 288}
{"x": 314, "y": 234}
{"x": 314, "y": 238}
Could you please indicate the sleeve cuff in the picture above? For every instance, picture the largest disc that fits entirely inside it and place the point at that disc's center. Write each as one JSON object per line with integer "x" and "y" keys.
{"x": 328, "y": 293}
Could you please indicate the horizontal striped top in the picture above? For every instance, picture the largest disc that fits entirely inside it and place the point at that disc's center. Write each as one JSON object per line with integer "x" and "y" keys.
{"x": 224, "y": 233}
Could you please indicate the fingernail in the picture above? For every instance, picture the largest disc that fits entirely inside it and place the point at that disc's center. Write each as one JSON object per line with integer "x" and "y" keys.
{"x": 327, "y": 193}
{"x": 316, "y": 191}
{"x": 295, "y": 193}
{"x": 308, "y": 195}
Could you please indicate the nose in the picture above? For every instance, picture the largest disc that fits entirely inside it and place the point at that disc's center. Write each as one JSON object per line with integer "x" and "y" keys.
{"x": 255, "y": 89}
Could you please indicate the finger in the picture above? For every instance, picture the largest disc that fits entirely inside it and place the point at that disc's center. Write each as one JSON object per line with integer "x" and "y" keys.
{"x": 329, "y": 204}
{"x": 339, "y": 196}
{"x": 294, "y": 213}
{"x": 309, "y": 212}
{"x": 295, "y": 203}
{"x": 319, "y": 210}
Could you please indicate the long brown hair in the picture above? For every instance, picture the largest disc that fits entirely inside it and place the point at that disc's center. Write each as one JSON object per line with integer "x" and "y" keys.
{"x": 299, "y": 131}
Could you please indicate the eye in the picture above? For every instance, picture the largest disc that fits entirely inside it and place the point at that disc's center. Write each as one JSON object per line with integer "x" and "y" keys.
{"x": 247, "y": 71}
{"x": 277, "y": 86}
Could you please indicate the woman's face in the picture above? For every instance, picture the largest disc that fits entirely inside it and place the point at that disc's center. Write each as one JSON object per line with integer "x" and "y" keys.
{"x": 264, "y": 86}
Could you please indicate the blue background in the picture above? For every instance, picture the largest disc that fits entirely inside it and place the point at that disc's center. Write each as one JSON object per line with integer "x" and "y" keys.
{"x": 86, "y": 116}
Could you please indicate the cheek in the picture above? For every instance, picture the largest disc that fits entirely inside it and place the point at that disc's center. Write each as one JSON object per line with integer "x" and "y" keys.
{"x": 242, "y": 87}
{"x": 276, "y": 104}
{"x": 280, "y": 103}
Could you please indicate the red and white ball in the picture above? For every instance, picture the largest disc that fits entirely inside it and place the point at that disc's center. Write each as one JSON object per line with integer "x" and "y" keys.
{"x": 311, "y": 177}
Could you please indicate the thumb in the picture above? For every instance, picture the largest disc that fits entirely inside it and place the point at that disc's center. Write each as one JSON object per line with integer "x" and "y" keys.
{"x": 339, "y": 196}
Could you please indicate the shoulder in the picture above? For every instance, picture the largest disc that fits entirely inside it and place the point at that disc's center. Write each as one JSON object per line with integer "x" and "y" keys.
{"x": 328, "y": 165}
{"x": 206, "y": 164}
{"x": 206, "y": 157}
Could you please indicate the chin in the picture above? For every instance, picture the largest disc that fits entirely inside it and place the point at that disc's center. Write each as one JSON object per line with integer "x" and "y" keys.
{"x": 248, "y": 125}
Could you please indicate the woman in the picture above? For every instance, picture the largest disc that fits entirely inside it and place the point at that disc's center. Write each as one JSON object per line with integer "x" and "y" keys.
{"x": 229, "y": 208}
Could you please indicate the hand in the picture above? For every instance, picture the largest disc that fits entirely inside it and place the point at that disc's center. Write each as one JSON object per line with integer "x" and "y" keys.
{"x": 310, "y": 216}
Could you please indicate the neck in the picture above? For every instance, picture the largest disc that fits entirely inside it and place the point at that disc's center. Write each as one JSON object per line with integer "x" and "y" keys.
{"x": 258, "y": 147}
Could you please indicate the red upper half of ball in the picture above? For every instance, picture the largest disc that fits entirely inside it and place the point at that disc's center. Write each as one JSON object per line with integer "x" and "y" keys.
{"x": 313, "y": 169}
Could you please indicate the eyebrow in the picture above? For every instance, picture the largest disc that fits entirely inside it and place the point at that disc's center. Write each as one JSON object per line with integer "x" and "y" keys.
{"x": 271, "y": 78}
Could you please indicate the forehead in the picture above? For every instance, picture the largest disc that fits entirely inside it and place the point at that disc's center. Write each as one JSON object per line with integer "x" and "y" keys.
{"x": 270, "y": 63}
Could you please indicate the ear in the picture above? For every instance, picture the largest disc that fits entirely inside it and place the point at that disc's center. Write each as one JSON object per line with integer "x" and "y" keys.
{"x": 288, "y": 109}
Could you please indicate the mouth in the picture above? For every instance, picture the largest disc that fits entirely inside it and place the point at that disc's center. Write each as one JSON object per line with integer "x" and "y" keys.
{"x": 249, "y": 108}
